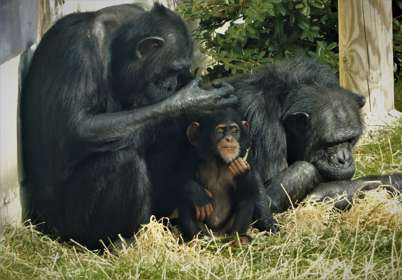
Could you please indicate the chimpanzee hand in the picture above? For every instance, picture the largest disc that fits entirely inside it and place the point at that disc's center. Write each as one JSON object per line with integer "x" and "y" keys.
{"x": 204, "y": 211}
{"x": 239, "y": 167}
{"x": 193, "y": 99}
{"x": 200, "y": 198}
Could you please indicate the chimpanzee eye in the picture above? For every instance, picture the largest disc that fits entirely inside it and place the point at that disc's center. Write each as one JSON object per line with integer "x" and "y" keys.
{"x": 234, "y": 129}
{"x": 220, "y": 130}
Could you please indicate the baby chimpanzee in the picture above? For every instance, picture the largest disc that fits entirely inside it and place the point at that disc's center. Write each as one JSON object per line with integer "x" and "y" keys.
{"x": 221, "y": 189}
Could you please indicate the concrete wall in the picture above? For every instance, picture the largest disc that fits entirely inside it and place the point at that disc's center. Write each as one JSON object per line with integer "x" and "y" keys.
{"x": 18, "y": 30}
{"x": 21, "y": 23}
{"x": 10, "y": 209}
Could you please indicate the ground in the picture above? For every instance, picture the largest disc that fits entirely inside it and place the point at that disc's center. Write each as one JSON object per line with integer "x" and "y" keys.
{"x": 314, "y": 242}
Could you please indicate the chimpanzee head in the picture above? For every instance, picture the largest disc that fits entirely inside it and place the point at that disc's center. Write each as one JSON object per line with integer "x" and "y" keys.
{"x": 322, "y": 126}
{"x": 221, "y": 135}
{"x": 151, "y": 58}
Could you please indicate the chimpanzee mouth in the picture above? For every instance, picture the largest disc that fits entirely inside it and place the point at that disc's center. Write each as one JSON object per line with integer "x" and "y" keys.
{"x": 334, "y": 172}
{"x": 228, "y": 153}
{"x": 230, "y": 147}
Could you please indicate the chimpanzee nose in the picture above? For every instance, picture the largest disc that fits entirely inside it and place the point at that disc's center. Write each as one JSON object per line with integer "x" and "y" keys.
{"x": 228, "y": 138}
{"x": 343, "y": 157}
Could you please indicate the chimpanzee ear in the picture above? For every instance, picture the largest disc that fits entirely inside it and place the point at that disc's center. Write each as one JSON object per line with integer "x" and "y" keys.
{"x": 296, "y": 119}
{"x": 193, "y": 133}
{"x": 148, "y": 45}
{"x": 245, "y": 124}
{"x": 297, "y": 115}
{"x": 361, "y": 100}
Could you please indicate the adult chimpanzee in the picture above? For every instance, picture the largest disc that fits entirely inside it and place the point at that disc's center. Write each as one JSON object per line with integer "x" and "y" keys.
{"x": 303, "y": 129}
{"x": 101, "y": 105}
{"x": 215, "y": 165}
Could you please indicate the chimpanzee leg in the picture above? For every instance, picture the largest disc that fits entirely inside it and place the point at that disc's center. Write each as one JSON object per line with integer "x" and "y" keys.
{"x": 263, "y": 212}
{"x": 188, "y": 224}
{"x": 262, "y": 208}
{"x": 292, "y": 185}
{"x": 346, "y": 189}
{"x": 108, "y": 196}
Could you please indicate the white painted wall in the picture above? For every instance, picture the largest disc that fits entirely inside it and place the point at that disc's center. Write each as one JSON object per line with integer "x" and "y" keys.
{"x": 10, "y": 209}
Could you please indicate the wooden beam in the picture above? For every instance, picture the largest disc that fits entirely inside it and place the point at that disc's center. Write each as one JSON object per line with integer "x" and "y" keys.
{"x": 365, "y": 52}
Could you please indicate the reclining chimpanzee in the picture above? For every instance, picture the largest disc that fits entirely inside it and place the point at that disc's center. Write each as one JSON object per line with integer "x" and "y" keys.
{"x": 303, "y": 127}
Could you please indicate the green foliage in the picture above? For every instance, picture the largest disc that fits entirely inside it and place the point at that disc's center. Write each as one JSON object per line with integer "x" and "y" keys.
{"x": 262, "y": 31}
{"x": 397, "y": 36}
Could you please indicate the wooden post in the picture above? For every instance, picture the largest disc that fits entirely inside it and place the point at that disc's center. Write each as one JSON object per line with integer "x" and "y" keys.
{"x": 365, "y": 52}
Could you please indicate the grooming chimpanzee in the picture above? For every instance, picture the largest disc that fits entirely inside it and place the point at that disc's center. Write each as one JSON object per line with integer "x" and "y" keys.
{"x": 303, "y": 127}
{"x": 101, "y": 110}
{"x": 215, "y": 165}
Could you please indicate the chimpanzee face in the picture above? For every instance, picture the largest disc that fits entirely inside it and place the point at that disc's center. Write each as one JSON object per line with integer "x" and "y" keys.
{"x": 220, "y": 135}
{"x": 226, "y": 141}
{"x": 326, "y": 135}
{"x": 330, "y": 147}
{"x": 153, "y": 62}
{"x": 164, "y": 84}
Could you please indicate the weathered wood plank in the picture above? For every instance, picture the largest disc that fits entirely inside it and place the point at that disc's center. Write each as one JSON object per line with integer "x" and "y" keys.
{"x": 365, "y": 51}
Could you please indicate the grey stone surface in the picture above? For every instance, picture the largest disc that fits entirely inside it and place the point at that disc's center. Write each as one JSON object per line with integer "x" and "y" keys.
{"x": 18, "y": 26}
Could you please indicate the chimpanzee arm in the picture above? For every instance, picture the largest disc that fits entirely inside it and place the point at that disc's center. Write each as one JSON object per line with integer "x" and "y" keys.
{"x": 347, "y": 189}
{"x": 192, "y": 195}
{"x": 113, "y": 131}
{"x": 245, "y": 201}
{"x": 292, "y": 185}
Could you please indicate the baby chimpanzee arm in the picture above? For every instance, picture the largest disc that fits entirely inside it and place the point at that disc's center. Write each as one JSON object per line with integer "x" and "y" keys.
{"x": 245, "y": 196}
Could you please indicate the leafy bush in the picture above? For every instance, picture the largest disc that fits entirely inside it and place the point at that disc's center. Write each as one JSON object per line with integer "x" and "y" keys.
{"x": 397, "y": 37}
{"x": 262, "y": 31}
{"x": 242, "y": 34}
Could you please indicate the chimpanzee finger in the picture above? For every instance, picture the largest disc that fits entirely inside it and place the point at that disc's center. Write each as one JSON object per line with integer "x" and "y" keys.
{"x": 206, "y": 211}
{"x": 234, "y": 168}
{"x": 208, "y": 193}
{"x": 224, "y": 89}
{"x": 211, "y": 209}
{"x": 202, "y": 214}
{"x": 238, "y": 166}
{"x": 244, "y": 165}
{"x": 197, "y": 213}
{"x": 194, "y": 83}
{"x": 231, "y": 170}
{"x": 220, "y": 84}
{"x": 222, "y": 102}
{"x": 229, "y": 101}
{"x": 241, "y": 165}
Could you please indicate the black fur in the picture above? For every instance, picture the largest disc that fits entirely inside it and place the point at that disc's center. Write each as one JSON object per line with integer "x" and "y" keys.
{"x": 303, "y": 127}
{"x": 99, "y": 142}
{"x": 245, "y": 193}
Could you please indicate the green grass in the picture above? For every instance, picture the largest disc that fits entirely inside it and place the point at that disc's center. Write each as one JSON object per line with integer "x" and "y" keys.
{"x": 380, "y": 152}
{"x": 314, "y": 242}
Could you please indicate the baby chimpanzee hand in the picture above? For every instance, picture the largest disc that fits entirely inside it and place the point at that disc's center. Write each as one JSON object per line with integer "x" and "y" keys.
{"x": 239, "y": 167}
{"x": 204, "y": 211}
